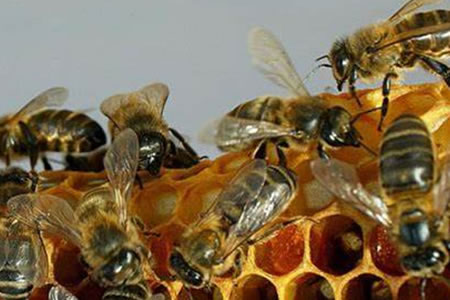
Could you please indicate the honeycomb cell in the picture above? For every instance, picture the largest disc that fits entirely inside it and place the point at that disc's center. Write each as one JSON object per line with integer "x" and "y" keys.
{"x": 155, "y": 206}
{"x": 229, "y": 163}
{"x": 256, "y": 288}
{"x": 337, "y": 244}
{"x": 211, "y": 293}
{"x": 310, "y": 287}
{"x": 85, "y": 183}
{"x": 383, "y": 252}
{"x": 282, "y": 253}
{"x": 367, "y": 286}
{"x": 88, "y": 290}
{"x": 435, "y": 289}
{"x": 197, "y": 201}
{"x": 67, "y": 257}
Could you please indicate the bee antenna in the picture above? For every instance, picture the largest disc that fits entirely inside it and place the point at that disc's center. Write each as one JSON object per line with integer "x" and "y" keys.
{"x": 359, "y": 115}
{"x": 314, "y": 70}
{"x": 368, "y": 149}
{"x": 323, "y": 57}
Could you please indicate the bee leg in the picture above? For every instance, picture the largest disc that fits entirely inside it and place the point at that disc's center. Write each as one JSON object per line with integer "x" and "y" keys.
{"x": 438, "y": 67}
{"x": 386, "y": 89}
{"x": 47, "y": 165}
{"x": 322, "y": 153}
{"x": 139, "y": 181}
{"x": 185, "y": 144}
{"x": 423, "y": 286}
{"x": 31, "y": 142}
{"x": 260, "y": 150}
{"x": 351, "y": 85}
{"x": 282, "y": 161}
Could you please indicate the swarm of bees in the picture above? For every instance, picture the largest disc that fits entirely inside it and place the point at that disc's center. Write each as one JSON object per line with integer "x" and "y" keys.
{"x": 410, "y": 200}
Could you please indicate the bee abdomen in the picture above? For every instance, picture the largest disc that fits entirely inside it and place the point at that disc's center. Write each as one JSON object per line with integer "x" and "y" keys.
{"x": 13, "y": 285}
{"x": 66, "y": 131}
{"x": 138, "y": 291}
{"x": 406, "y": 157}
{"x": 260, "y": 109}
{"x": 434, "y": 44}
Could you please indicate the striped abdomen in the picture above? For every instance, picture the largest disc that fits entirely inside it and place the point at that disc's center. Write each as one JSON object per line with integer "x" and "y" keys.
{"x": 138, "y": 291}
{"x": 14, "y": 285}
{"x": 435, "y": 44}
{"x": 406, "y": 157}
{"x": 66, "y": 131}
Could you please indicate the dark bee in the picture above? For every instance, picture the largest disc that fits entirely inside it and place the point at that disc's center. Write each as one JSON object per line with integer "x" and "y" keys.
{"x": 299, "y": 122}
{"x": 414, "y": 200}
{"x": 384, "y": 50}
{"x": 15, "y": 181}
{"x": 36, "y": 129}
{"x": 212, "y": 246}
{"x": 142, "y": 112}
{"x": 86, "y": 162}
{"x": 108, "y": 239}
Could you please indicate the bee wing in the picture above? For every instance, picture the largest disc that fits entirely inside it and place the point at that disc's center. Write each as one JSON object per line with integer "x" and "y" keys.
{"x": 409, "y": 7}
{"x": 270, "y": 57}
{"x": 47, "y": 213}
{"x": 121, "y": 162}
{"x": 156, "y": 95}
{"x": 230, "y": 131}
{"x": 258, "y": 212}
{"x": 58, "y": 292}
{"x": 342, "y": 180}
{"x": 25, "y": 251}
{"x": 53, "y": 97}
{"x": 441, "y": 190}
{"x": 394, "y": 39}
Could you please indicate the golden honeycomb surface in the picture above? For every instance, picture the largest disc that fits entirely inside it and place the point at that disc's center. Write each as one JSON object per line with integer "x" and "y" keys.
{"x": 334, "y": 253}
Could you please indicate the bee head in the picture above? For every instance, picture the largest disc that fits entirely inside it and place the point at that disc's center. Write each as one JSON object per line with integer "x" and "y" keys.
{"x": 152, "y": 151}
{"x": 123, "y": 266}
{"x": 337, "y": 128}
{"x": 429, "y": 260}
{"x": 341, "y": 63}
{"x": 188, "y": 274}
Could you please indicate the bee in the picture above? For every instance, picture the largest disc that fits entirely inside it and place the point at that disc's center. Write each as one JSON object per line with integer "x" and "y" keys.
{"x": 86, "y": 162}
{"x": 15, "y": 181}
{"x": 413, "y": 201}
{"x": 384, "y": 50}
{"x": 212, "y": 246}
{"x": 37, "y": 128}
{"x": 100, "y": 226}
{"x": 298, "y": 122}
{"x": 142, "y": 111}
{"x": 58, "y": 292}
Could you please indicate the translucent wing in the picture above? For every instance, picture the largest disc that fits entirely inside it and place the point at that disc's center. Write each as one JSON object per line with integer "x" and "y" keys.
{"x": 342, "y": 180}
{"x": 53, "y": 97}
{"x": 245, "y": 186}
{"x": 270, "y": 57}
{"x": 409, "y": 7}
{"x": 121, "y": 162}
{"x": 394, "y": 39}
{"x": 47, "y": 213}
{"x": 25, "y": 252}
{"x": 441, "y": 190}
{"x": 231, "y": 131}
{"x": 58, "y": 292}
{"x": 258, "y": 212}
{"x": 156, "y": 95}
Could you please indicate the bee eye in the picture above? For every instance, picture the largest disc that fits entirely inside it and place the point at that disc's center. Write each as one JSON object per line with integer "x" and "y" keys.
{"x": 341, "y": 66}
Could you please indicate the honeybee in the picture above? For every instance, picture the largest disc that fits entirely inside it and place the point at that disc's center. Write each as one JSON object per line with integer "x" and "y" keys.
{"x": 100, "y": 226}
{"x": 211, "y": 246}
{"x": 384, "y": 50}
{"x": 58, "y": 292}
{"x": 142, "y": 111}
{"x": 86, "y": 162}
{"x": 15, "y": 181}
{"x": 298, "y": 122}
{"x": 413, "y": 201}
{"x": 37, "y": 128}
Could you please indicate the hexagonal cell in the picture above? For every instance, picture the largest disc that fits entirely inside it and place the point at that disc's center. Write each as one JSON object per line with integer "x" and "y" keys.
{"x": 68, "y": 270}
{"x": 310, "y": 287}
{"x": 89, "y": 290}
{"x": 185, "y": 174}
{"x": 155, "y": 206}
{"x": 197, "y": 200}
{"x": 435, "y": 289}
{"x": 256, "y": 288}
{"x": 229, "y": 162}
{"x": 383, "y": 252}
{"x": 213, "y": 293}
{"x": 86, "y": 182}
{"x": 338, "y": 244}
{"x": 367, "y": 286}
{"x": 282, "y": 253}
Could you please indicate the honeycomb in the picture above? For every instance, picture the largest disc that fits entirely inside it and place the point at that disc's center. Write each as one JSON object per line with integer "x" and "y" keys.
{"x": 335, "y": 253}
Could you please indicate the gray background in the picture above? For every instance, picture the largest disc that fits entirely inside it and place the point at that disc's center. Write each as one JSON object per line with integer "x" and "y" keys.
{"x": 100, "y": 48}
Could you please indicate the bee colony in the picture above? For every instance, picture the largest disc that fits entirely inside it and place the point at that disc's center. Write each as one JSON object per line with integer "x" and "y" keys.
{"x": 319, "y": 197}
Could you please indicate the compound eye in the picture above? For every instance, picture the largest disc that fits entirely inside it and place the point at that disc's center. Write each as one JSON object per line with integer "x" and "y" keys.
{"x": 342, "y": 65}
